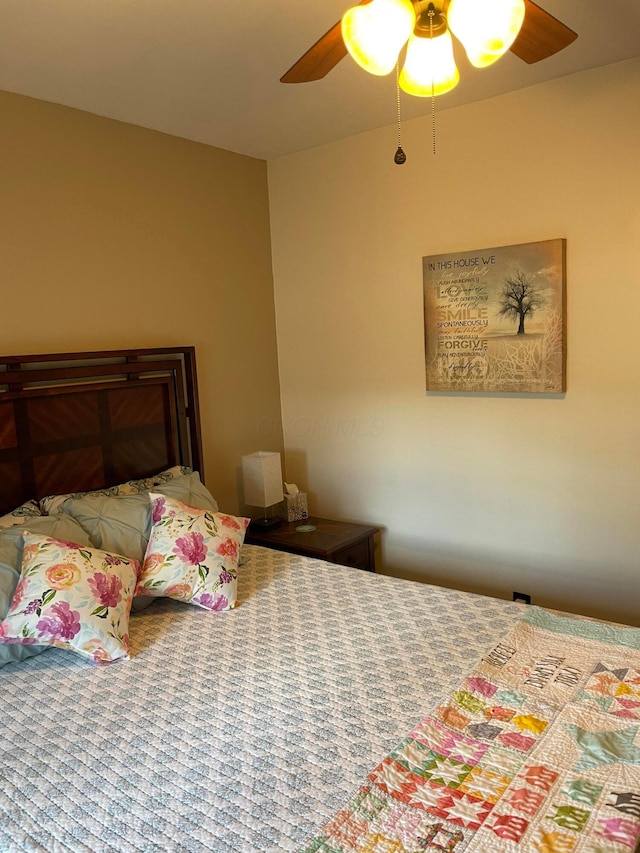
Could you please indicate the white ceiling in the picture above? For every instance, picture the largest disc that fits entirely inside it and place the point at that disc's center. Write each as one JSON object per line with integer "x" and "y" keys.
{"x": 208, "y": 70}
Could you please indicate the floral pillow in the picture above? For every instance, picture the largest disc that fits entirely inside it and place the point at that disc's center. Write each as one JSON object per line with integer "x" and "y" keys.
{"x": 192, "y": 555}
{"x": 11, "y": 544}
{"x": 73, "y": 597}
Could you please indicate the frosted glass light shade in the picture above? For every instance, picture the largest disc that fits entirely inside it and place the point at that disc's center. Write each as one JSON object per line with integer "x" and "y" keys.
{"x": 429, "y": 60}
{"x": 487, "y": 29}
{"x": 262, "y": 478}
{"x": 374, "y": 34}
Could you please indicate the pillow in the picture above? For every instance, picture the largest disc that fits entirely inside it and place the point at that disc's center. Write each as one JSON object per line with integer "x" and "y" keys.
{"x": 122, "y": 524}
{"x": 72, "y": 597}
{"x": 11, "y": 541}
{"x": 30, "y": 509}
{"x": 192, "y": 555}
{"x": 52, "y": 504}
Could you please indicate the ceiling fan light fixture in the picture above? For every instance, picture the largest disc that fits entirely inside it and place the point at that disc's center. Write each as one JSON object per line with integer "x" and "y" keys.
{"x": 487, "y": 29}
{"x": 429, "y": 68}
{"x": 375, "y": 33}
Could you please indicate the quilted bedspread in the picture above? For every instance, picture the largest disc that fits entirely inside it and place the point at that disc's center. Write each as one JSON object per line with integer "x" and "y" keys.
{"x": 537, "y": 751}
{"x": 245, "y": 730}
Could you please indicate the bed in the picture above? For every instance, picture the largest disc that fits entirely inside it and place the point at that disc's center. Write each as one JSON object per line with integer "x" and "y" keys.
{"x": 293, "y": 720}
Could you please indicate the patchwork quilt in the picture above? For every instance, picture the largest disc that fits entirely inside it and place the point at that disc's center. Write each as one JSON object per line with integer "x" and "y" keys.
{"x": 537, "y": 751}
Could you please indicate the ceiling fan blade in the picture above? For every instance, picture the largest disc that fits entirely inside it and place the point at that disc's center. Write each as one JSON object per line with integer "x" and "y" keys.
{"x": 320, "y": 59}
{"x": 541, "y": 35}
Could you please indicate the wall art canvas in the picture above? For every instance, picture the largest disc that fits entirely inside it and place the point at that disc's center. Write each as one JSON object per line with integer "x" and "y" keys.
{"x": 495, "y": 319}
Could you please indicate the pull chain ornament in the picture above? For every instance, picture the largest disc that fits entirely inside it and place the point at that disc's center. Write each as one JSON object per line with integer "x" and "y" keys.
{"x": 400, "y": 157}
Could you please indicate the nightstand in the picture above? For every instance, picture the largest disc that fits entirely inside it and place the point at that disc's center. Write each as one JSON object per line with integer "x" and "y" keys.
{"x": 334, "y": 541}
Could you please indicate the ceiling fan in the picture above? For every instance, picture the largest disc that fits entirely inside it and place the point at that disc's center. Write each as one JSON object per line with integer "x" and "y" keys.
{"x": 531, "y": 33}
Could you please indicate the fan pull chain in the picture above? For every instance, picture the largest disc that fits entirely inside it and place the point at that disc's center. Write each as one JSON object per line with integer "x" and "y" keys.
{"x": 433, "y": 85}
{"x": 400, "y": 157}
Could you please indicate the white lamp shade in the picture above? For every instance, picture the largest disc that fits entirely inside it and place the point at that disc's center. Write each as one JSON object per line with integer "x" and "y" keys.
{"x": 262, "y": 478}
{"x": 430, "y": 67}
{"x": 487, "y": 29}
{"x": 374, "y": 34}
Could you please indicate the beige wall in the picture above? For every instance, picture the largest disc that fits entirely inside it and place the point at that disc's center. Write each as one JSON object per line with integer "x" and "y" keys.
{"x": 488, "y": 493}
{"x": 115, "y": 236}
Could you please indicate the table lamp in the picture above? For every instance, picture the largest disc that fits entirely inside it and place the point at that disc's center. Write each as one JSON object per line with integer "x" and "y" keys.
{"x": 262, "y": 481}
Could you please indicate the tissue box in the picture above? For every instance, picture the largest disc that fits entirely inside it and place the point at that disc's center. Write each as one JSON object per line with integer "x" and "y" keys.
{"x": 296, "y": 506}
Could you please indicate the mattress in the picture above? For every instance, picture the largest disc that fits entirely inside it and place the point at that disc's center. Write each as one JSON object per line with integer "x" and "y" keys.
{"x": 236, "y": 731}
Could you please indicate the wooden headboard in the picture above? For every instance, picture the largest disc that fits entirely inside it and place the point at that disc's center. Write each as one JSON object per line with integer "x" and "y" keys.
{"x": 80, "y": 421}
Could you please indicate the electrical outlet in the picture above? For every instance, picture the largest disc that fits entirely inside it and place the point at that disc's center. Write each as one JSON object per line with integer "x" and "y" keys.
{"x": 522, "y": 597}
